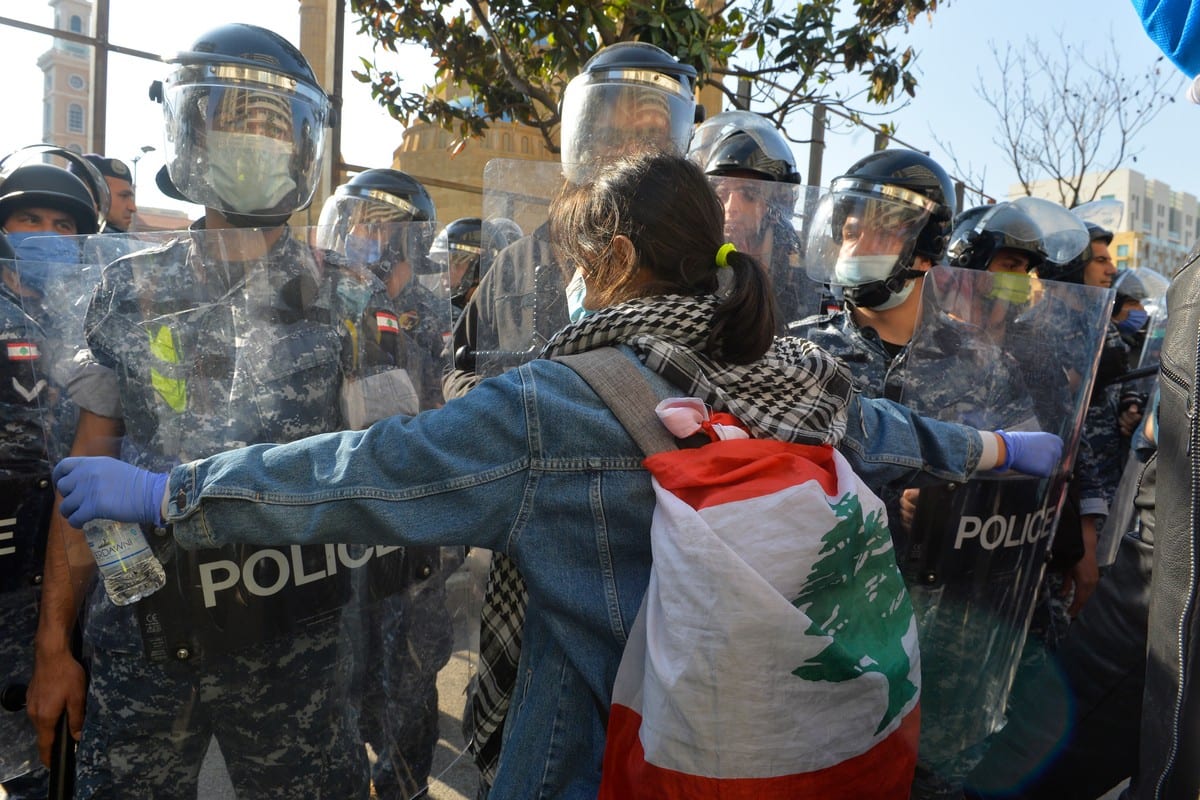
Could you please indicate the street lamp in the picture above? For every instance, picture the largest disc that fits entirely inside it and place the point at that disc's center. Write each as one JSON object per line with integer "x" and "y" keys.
{"x": 146, "y": 148}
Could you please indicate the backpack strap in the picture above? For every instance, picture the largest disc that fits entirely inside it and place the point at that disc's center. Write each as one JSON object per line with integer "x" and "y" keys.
{"x": 627, "y": 394}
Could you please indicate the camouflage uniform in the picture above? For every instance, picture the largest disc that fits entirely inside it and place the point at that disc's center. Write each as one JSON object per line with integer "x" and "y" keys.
{"x": 261, "y": 671}
{"x": 25, "y": 498}
{"x": 1102, "y": 450}
{"x": 964, "y": 377}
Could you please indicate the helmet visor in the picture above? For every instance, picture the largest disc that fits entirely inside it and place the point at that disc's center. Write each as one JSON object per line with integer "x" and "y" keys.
{"x": 860, "y": 236}
{"x": 244, "y": 141}
{"x": 1064, "y": 236}
{"x": 374, "y": 234}
{"x": 605, "y": 118}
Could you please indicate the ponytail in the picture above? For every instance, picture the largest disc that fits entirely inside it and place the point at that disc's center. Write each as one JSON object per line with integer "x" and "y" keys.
{"x": 744, "y": 323}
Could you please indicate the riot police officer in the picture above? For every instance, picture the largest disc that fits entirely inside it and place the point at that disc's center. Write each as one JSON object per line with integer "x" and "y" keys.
{"x": 458, "y": 247}
{"x": 758, "y": 208}
{"x": 383, "y": 220}
{"x": 380, "y": 223}
{"x": 41, "y": 205}
{"x": 25, "y": 498}
{"x": 122, "y": 201}
{"x": 224, "y": 335}
{"x": 885, "y": 223}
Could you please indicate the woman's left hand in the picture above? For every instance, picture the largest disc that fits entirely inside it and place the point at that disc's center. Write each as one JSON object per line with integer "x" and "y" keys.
{"x": 107, "y": 488}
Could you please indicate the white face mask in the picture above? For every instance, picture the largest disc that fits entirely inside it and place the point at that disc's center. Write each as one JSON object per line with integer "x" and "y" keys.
{"x": 857, "y": 270}
{"x": 576, "y": 291}
{"x": 896, "y": 299}
{"x": 248, "y": 172}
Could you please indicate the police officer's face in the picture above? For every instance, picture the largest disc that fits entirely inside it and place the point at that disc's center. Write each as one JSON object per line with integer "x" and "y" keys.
{"x": 745, "y": 214}
{"x": 1101, "y": 270}
{"x": 860, "y": 238}
{"x": 40, "y": 220}
{"x": 120, "y": 213}
{"x": 459, "y": 264}
{"x": 1006, "y": 260}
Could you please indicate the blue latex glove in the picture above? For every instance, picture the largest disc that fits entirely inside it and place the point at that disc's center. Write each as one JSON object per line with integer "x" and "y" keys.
{"x": 106, "y": 488}
{"x": 1031, "y": 452}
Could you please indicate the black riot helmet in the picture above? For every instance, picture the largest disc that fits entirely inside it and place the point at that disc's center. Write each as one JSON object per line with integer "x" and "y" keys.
{"x": 630, "y": 95}
{"x": 378, "y": 218}
{"x": 886, "y": 210}
{"x": 461, "y": 241}
{"x": 1072, "y": 271}
{"x": 980, "y": 232}
{"x": 743, "y": 144}
{"x": 48, "y": 186}
{"x": 245, "y": 125}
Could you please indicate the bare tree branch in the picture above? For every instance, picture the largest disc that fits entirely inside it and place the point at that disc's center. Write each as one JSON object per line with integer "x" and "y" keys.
{"x": 1063, "y": 112}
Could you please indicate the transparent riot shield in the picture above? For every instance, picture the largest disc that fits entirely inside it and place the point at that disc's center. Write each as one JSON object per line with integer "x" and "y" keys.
{"x": 520, "y": 301}
{"x": 993, "y": 354}
{"x": 311, "y": 658}
{"x": 27, "y": 409}
{"x": 768, "y": 220}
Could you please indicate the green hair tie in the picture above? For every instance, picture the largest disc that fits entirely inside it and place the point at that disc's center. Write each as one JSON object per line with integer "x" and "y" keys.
{"x": 723, "y": 254}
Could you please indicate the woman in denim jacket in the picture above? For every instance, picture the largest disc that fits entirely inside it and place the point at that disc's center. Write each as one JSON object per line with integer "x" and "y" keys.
{"x": 533, "y": 464}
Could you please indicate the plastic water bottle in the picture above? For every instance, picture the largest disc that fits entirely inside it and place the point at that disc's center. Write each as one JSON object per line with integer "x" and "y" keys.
{"x": 128, "y": 566}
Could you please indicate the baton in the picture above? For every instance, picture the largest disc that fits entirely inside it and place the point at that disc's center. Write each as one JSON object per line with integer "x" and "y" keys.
{"x": 1134, "y": 374}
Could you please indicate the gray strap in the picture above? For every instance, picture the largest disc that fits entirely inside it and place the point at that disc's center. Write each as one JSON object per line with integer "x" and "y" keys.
{"x": 627, "y": 394}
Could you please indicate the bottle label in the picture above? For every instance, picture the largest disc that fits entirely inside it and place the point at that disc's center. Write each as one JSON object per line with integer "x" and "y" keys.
{"x": 117, "y": 547}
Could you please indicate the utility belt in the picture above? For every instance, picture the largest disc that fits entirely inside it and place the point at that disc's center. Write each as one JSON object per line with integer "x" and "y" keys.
{"x": 221, "y": 600}
{"x": 25, "y": 507}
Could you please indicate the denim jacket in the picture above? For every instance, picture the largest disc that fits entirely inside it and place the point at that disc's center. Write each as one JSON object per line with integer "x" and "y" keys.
{"x": 532, "y": 464}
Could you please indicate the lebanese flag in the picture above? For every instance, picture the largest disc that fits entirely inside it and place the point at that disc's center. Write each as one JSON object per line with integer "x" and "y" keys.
{"x": 23, "y": 351}
{"x": 775, "y": 653}
{"x": 387, "y": 322}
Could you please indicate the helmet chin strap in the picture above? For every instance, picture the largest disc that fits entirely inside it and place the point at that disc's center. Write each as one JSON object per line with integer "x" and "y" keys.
{"x": 882, "y": 295}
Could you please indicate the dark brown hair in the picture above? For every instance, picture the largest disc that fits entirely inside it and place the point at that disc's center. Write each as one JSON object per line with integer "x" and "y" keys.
{"x": 666, "y": 207}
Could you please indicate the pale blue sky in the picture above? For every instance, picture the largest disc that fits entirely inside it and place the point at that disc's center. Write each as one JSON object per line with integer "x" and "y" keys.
{"x": 953, "y": 48}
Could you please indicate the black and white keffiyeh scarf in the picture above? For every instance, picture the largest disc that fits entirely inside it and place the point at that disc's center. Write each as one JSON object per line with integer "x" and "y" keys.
{"x": 796, "y": 392}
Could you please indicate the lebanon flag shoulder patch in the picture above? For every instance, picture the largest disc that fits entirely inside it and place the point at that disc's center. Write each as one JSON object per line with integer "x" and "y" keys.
{"x": 775, "y": 652}
{"x": 22, "y": 351}
{"x": 387, "y": 321}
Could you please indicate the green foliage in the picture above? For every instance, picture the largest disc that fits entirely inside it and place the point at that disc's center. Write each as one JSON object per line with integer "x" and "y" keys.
{"x": 855, "y": 595}
{"x": 512, "y": 59}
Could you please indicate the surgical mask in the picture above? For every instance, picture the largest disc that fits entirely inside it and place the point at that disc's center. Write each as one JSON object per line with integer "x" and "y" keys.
{"x": 857, "y": 270}
{"x": 39, "y": 252}
{"x": 897, "y": 298}
{"x": 363, "y": 250}
{"x": 249, "y": 173}
{"x": 576, "y": 292}
{"x": 1133, "y": 322}
{"x": 1012, "y": 287}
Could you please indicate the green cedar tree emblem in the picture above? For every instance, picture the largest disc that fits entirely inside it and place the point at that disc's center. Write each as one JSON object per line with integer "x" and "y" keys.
{"x": 855, "y": 596}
